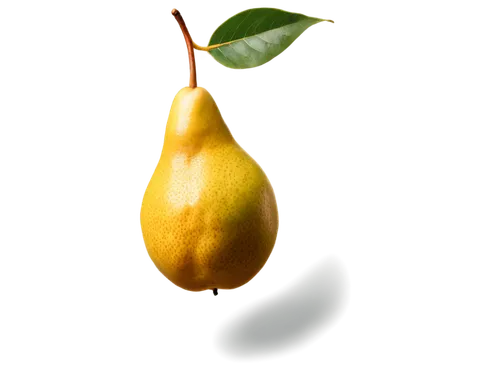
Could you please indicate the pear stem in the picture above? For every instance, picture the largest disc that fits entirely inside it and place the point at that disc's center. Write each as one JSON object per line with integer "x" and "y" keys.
{"x": 215, "y": 291}
{"x": 189, "y": 44}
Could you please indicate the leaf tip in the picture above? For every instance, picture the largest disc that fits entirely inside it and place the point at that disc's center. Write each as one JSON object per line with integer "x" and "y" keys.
{"x": 330, "y": 21}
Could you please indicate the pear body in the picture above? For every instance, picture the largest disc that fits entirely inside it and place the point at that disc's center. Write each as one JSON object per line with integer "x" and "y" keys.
{"x": 209, "y": 216}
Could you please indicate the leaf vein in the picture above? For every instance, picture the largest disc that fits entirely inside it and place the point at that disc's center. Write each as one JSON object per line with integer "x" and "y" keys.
{"x": 223, "y": 54}
{"x": 244, "y": 19}
{"x": 255, "y": 49}
{"x": 257, "y": 36}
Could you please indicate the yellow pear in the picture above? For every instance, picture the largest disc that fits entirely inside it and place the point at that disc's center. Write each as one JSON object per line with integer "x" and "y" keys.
{"x": 209, "y": 216}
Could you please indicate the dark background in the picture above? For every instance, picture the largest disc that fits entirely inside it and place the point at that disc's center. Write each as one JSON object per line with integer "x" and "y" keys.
{"x": 300, "y": 115}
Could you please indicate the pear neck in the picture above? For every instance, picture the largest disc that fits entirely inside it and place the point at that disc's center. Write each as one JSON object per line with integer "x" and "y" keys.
{"x": 195, "y": 122}
{"x": 193, "y": 79}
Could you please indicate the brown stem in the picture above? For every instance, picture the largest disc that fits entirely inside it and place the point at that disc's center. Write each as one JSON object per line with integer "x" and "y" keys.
{"x": 215, "y": 291}
{"x": 189, "y": 44}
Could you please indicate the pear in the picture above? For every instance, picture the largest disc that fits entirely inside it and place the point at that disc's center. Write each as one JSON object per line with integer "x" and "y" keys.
{"x": 209, "y": 216}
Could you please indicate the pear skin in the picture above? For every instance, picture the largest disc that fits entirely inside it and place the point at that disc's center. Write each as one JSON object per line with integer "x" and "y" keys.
{"x": 209, "y": 216}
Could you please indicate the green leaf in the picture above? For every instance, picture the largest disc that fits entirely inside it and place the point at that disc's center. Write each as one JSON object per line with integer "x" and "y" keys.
{"x": 256, "y": 36}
